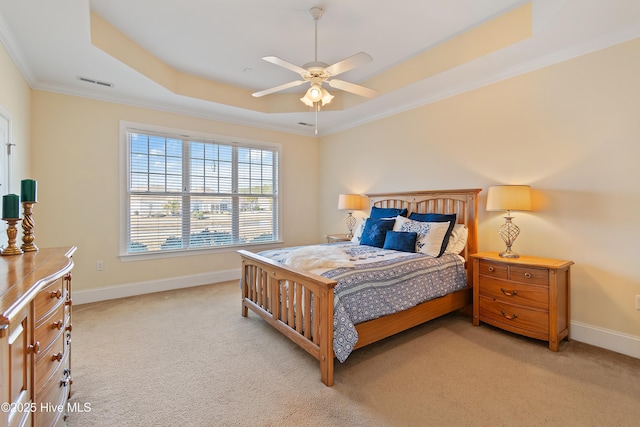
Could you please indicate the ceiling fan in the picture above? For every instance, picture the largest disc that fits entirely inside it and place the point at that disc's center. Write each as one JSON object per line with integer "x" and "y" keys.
{"x": 317, "y": 73}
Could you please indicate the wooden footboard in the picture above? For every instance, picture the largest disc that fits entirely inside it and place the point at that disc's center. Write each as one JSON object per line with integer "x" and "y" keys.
{"x": 298, "y": 304}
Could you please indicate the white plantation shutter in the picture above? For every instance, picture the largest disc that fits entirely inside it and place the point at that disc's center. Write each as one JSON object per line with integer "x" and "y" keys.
{"x": 190, "y": 194}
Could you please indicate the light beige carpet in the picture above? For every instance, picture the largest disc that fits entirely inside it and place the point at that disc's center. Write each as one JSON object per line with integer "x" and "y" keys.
{"x": 188, "y": 358}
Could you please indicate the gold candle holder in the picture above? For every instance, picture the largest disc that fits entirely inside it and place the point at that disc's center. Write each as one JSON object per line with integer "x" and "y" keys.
{"x": 27, "y": 228}
{"x": 12, "y": 232}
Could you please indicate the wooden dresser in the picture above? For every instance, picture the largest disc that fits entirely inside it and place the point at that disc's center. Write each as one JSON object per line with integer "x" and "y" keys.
{"x": 526, "y": 295}
{"x": 35, "y": 337}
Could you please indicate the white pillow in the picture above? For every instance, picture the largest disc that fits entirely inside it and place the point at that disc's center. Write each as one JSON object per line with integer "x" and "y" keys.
{"x": 357, "y": 232}
{"x": 430, "y": 234}
{"x": 458, "y": 239}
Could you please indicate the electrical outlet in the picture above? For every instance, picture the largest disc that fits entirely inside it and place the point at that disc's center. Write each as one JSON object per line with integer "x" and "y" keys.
{"x": 99, "y": 265}
{"x": 637, "y": 302}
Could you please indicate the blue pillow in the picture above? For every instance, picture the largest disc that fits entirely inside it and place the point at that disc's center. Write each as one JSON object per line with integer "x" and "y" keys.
{"x": 377, "y": 212}
{"x": 375, "y": 231}
{"x": 435, "y": 217}
{"x": 404, "y": 241}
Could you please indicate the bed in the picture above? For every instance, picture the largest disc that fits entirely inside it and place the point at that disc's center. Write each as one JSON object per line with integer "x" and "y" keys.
{"x": 300, "y": 302}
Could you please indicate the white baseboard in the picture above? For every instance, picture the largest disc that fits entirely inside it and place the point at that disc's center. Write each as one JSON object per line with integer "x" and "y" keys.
{"x": 132, "y": 289}
{"x": 606, "y": 338}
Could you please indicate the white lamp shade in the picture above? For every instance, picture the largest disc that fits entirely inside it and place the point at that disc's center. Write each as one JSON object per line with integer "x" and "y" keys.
{"x": 509, "y": 198}
{"x": 350, "y": 202}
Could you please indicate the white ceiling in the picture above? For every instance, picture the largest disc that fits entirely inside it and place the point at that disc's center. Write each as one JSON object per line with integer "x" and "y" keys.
{"x": 225, "y": 41}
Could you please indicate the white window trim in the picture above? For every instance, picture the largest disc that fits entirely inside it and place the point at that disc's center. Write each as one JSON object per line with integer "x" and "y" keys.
{"x": 124, "y": 200}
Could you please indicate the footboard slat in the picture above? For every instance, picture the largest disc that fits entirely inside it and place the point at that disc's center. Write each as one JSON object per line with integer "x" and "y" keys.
{"x": 297, "y": 303}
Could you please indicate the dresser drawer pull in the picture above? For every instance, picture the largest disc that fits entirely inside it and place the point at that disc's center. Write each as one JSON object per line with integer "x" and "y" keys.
{"x": 491, "y": 269}
{"x": 57, "y": 357}
{"x": 509, "y": 293}
{"x": 68, "y": 302}
{"x": 57, "y": 325}
{"x": 506, "y": 316}
{"x": 527, "y": 275}
{"x": 69, "y": 328}
{"x": 56, "y": 294}
{"x": 35, "y": 348}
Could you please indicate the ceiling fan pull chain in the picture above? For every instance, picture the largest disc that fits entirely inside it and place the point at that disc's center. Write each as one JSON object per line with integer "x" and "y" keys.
{"x": 317, "y": 108}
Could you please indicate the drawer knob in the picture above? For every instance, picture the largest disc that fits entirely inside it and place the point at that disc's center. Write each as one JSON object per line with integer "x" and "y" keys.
{"x": 69, "y": 302}
{"x": 69, "y": 328}
{"x": 510, "y": 317}
{"x": 509, "y": 293}
{"x": 56, "y": 294}
{"x": 527, "y": 275}
{"x": 35, "y": 348}
{"x": 491, "y": 269}
{"x": 57, "y": 325}
{"x": 57, "y": 357}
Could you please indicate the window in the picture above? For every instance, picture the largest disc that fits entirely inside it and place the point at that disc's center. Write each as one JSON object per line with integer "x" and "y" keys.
{"x": 193, "y": 193}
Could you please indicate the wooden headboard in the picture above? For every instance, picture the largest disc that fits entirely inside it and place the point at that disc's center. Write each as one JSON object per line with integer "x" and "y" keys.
{"x": 464, "y": 203}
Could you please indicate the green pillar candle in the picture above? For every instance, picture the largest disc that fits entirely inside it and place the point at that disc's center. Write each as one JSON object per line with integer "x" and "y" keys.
{"x": 28, "y": 190}
{"x": 10, "y": 206}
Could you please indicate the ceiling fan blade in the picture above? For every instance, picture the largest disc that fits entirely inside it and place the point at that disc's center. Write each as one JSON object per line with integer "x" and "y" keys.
{"x": 349, "y": 63}
{"x": 278, "y": 88}
{"x": 285, "y": 64}
{"x": 353, "y": 88}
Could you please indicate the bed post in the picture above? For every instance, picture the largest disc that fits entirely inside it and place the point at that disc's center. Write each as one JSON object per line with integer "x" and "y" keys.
{"x": 244, "y": 284}
{"x": 326, "y": 338}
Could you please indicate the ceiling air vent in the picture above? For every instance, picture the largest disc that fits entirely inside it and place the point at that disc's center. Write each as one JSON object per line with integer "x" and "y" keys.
{"x": 95, "y": 82}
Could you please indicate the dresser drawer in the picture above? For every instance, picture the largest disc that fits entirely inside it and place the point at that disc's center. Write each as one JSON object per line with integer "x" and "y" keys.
{"x": 52, "y": 398}
{"x": 513, "y": 317}
{"x": 53, "y": 293}
{"x": 524, "y": 274}
{"x": 49, "y": 327}
{"x": 515, "y": 293}
{"x": 50, "y": 362}
{"x": 494, "y": 269}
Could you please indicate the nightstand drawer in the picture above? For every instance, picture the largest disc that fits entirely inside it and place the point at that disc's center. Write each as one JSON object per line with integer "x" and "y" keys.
{"x": 515, "y": 293}
{"x": 493, "y": 269}
{"x": 524, "y": 274}
{"x": 516, "y": 318}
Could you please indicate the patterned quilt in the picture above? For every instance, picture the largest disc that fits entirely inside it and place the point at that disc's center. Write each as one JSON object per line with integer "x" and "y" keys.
{"x": 374, "y": 282}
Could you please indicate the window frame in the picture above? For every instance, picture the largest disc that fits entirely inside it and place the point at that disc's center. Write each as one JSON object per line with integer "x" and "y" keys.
{"x": 125, "y": 157}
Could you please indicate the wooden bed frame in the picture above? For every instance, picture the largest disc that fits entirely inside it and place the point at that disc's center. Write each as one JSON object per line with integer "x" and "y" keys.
{"x": 267, "y": 285}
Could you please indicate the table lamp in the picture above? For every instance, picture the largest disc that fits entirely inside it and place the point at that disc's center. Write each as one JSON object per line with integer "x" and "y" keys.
{"x": 350, "y": 202}
{"x": 509, "y": 198}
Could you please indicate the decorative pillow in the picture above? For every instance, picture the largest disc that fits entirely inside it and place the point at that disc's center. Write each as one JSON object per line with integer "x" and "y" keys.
{"x": 377, "y": 212}
{"x": 430, "y": 234}
{"x": 435, "y": 217}
{"x": 375, "y": 231}
{"x": 458, "y": 239}
{"x": 404, "y": 241}
{"x": 357, "y": 232}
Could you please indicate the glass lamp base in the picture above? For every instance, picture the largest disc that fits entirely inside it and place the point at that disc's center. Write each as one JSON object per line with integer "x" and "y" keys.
{"x": 509, "y": 254}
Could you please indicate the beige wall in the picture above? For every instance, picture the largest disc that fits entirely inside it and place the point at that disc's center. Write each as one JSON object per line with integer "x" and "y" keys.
{"x": 76, "y": 162}
{"x": 571, "y": 131}
{"x": 15, "y": 100}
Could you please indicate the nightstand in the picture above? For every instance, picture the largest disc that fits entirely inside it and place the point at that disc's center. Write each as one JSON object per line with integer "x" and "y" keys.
{"x": 527, "y": 295}
{"x": 337, "y": 238}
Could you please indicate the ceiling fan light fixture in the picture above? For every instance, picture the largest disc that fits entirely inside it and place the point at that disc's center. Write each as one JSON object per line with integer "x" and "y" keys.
{"x": 316, "y": 93}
